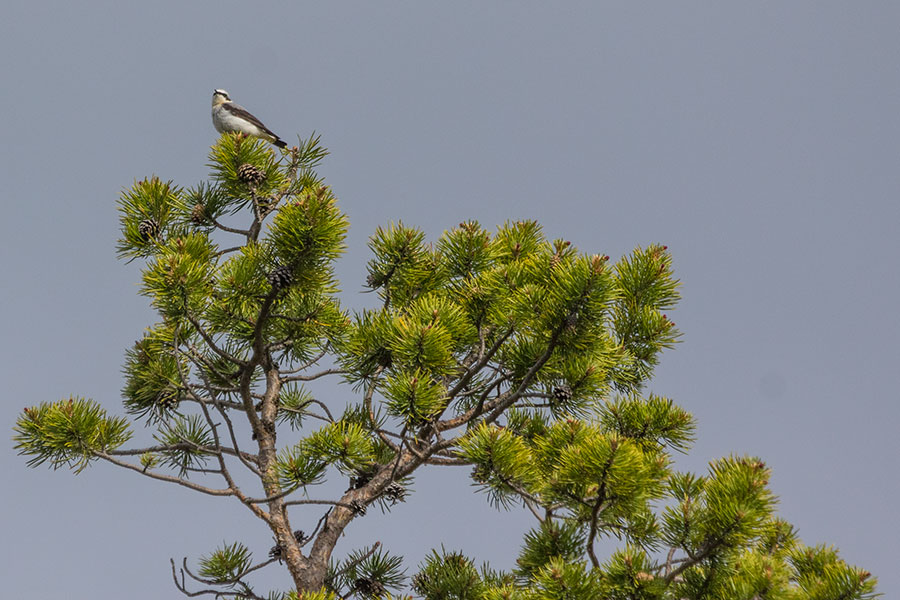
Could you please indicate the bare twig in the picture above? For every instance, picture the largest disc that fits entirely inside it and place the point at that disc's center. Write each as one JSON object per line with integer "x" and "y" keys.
{"x": 281, "y": 494}
{"x": 312, "y": 377}
{"x": 305, "y": 365}
{"x": 217, "y": 403}
{"x": 528, "y": 503}
{"x": 218, "y": 225}
{"x": 227, "y": 250}
{"x": 706, "y": 550}
{"x": 170, "y": 479}
{"x": 474, "y": 411}
{"x": 175, "y": 447}
{"x": 501, "y": 404}
{"x": 217, "y": 450}
{"x": 212, "y": 344}
{"x": 251, "y": 461}
{"x": 322, "y": 502}
{"x": 319, "y": 524}
{"x": 227, "y": 475}
{"x": 669, "y": 558}
{"x": 484, "y": 360}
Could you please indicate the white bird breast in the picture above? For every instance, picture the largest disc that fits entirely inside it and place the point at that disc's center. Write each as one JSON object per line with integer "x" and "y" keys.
{"x": 224, "y": 122}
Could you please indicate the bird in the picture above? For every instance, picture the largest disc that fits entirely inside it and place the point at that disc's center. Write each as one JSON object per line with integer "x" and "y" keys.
{"x": 228, "y": 116}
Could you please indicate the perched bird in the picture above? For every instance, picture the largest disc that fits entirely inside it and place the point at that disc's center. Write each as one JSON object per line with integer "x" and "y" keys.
{"x": 228, "y": 116}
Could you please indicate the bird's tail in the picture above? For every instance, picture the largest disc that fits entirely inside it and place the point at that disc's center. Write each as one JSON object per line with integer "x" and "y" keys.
{"x": 279, "y": 142}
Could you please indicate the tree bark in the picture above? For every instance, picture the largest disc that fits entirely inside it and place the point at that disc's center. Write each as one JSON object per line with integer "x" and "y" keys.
{"x": 264, "y": 429}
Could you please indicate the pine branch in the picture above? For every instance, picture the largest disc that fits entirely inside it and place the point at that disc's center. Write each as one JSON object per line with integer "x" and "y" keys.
{"x": 212, "y": 344}
{"x": 180, "y": 446}
{"x": 188, "y": 484}
{"x": 243, "y": 232}
{"x": 245, "y": 591}
{"x": 227, "y": 475}
{"x": 305, "y": 365}
{"x": 367, "y": 402}
{"x": 708, "y": 548}
{"x": 314, "y": 376}
{"x": 245, "y": 458}
{"x": 483, "y": 360}
{"x": 219, "y": 407}
{"x": 497, "y": 407}
{"x": 599, "y": 505}
{"x": 359, "y": 559}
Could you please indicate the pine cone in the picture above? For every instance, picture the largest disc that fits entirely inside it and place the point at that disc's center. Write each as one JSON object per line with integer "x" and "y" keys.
{"x": 395, "y": 493}
{"x": 198, "y": 214}
{"x": 250, "y": 175}
{"x": 263, "y": 202}
{"x": 563, "y": 393}
{"x": 276, "y": 552}
{"x": 377, "y": 280}
{"x": 554, "y": 261}
{"x": 149, "y": 229}
{"x": 167, "y": 399}
{"x": 421, "y": 583}
{"x": 280, "y": 277}
{"x": 369, "y": 587}
{"x": 359, "y": 480}
{"x": 358, "y": 507}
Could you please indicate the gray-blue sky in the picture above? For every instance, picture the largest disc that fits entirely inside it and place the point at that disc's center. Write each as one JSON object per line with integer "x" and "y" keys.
{"x": 758, "y": 140}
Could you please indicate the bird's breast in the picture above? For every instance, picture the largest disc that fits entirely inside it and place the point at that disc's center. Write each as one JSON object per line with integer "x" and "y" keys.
{"x": 224, "y": 121}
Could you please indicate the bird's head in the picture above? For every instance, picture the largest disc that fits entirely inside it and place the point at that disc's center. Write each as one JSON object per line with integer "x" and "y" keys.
{"x": 220, "y": 97}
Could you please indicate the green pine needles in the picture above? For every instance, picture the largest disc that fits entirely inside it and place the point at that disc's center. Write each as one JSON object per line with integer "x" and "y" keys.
{"x": 69, "y": 433}
{"x": 514, "y": 356}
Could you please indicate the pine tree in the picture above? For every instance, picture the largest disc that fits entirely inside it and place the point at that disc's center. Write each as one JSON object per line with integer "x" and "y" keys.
{"x": 515, "y": 355}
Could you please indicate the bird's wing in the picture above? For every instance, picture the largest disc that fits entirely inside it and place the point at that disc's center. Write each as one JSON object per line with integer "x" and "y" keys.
{"x": 241, "y": 112}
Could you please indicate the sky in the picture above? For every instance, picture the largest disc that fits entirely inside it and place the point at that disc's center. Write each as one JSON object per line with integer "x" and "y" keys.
{"x": 759, "y": 141}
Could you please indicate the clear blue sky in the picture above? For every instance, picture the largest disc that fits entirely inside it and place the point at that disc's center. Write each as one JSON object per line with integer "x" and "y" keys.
{"x": 759, "y": 141}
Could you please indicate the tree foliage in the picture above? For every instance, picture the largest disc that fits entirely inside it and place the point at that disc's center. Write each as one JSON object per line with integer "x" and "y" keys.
{"x": 516, "y": 356}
